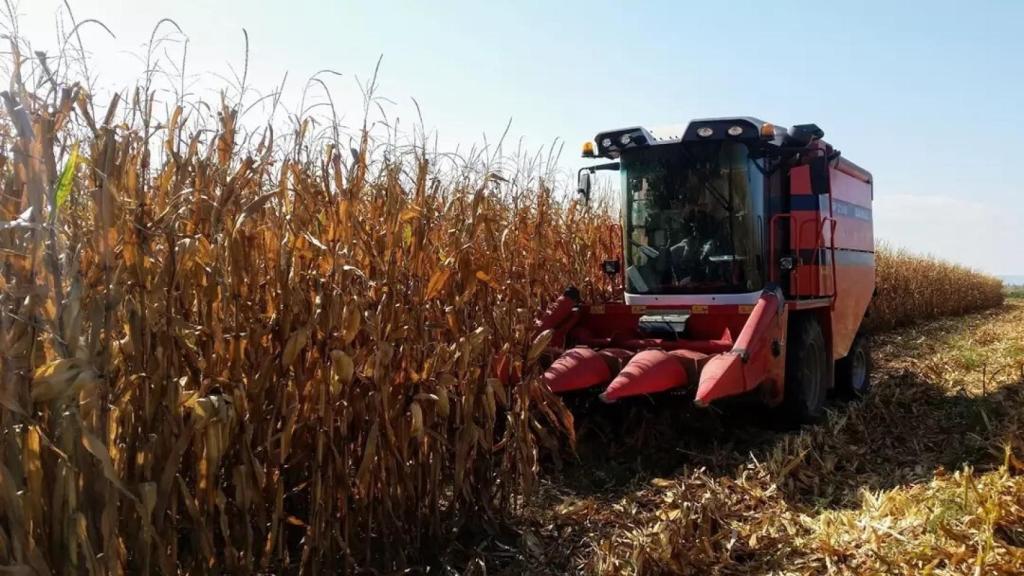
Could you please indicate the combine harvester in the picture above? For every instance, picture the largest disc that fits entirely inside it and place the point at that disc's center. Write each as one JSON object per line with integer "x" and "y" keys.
{"x": 749, "y": 267}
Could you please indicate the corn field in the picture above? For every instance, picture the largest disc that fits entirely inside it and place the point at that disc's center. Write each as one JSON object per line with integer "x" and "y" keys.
{"x": 262, "y": 352}
{"x": 911, "y": 288}
{"x": 256, "y": 350}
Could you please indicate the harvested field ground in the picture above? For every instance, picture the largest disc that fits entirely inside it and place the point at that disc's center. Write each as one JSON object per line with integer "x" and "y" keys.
{"x": 923, "y": 476}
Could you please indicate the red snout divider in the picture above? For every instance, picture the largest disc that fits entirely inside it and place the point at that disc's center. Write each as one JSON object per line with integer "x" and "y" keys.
{"x": 648, "y": 372}
{"x": 577, "y": 369}
{"x": 555, "y": 313}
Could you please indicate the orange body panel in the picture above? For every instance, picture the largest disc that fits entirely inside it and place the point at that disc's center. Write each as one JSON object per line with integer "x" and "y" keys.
{"x": 833, "y": 239}
{"x": 851, "y": 193}
{"x": 851, "y": 207}
{"x": 856, "y": 279}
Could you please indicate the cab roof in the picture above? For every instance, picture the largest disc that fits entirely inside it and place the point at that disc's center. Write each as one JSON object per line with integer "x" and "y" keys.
{"x": 611, "y": 143}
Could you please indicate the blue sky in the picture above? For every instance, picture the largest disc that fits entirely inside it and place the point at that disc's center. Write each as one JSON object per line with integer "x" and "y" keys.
{"x": 926, "y": 95}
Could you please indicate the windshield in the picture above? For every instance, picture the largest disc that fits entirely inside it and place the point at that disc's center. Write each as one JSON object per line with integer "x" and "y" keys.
{"x": 693, "y": 219}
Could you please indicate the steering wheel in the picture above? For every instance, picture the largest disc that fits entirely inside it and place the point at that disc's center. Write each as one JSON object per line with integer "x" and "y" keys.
{"x": 649, "y": 251}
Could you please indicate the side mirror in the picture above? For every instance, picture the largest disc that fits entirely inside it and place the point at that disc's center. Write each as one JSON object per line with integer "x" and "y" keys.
{"x": 584, "y": 184}
{"x": 649, "y": 251}
{"x": 611, "y": 267}
{"x": 585, "y": 178}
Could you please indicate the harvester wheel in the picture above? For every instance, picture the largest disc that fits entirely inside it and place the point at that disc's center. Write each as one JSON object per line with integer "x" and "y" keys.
{"x": 806, "y": 373}
{"x": 853, "y": 373}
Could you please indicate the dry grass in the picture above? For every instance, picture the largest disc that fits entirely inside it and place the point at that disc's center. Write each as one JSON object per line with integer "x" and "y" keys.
{"x": 267, "y": 350}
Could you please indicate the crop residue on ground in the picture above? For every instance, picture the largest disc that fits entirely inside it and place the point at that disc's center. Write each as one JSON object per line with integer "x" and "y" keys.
{"x": 922, "y": 477}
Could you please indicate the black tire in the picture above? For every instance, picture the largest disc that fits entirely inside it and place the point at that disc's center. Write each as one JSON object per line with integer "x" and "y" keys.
{"x": 807, "y": 373}
{"x": 853, "y": 373}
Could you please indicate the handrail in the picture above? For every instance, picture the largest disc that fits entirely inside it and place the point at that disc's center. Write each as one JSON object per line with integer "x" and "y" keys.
{"x": 819, "y": 245}
{"x": 773, "y": 273}
{"x": 832, "y": 238}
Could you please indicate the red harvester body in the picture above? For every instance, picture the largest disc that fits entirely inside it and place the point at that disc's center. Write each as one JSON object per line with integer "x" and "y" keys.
{"x": 748, "y": 269}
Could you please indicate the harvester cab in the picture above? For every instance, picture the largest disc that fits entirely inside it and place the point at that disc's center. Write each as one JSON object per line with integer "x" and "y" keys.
{"x": 747, "y": 265}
